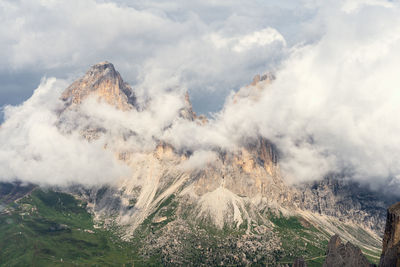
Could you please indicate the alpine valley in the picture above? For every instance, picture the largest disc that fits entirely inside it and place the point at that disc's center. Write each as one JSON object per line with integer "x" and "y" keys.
{"x": 175, "y": 203}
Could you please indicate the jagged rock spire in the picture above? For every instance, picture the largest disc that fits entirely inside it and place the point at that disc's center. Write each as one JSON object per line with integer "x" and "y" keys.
{"x": 346, "y": 255}
{"x": 104, "y": 81}
{"x": 268, "y": 77}
{"x": 254, "y": 89}
{"x": 187, "y": 111}
{"x": 391, "y": 239}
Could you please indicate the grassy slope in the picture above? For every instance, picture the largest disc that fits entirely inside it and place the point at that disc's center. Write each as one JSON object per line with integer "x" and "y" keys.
{"x": 298, "y": 240}
{"x": 51, "y": 228}
{"x": 306, "y": 241}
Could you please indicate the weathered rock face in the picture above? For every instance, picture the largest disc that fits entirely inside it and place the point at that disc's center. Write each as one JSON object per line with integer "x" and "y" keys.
{"x": 343, "y": 255}
{"x": 250, "y": 172}
{"x": 391, "y": 240}
{"x": 345, "y": 199}
{"x": 237, "y": 189}
{"x": 187, "y": 111}
{"x": 103, "y": 81}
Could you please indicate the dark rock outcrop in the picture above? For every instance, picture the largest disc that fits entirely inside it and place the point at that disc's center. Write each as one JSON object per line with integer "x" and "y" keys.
{"x": 299, "y": 262}
{"x": 10, "y": 192}
{"x": 391, "y": 240}
{"x": 344, "y": 255}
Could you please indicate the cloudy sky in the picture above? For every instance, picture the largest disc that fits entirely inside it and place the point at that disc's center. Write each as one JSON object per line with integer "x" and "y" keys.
{"x": 333, "y": 106}
{"x": 211, "y": 47}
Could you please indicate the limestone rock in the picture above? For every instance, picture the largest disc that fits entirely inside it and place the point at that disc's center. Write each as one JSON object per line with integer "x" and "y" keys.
{"x": 187, "y": 111}
{"x": 348, "y": 200}
{"x": 238, "y": 188}
{"x": 344, "y": 255}
{"x": 253, "y": 91}
{"x": 103, "y": 81}
{"x": 391, "y": 240}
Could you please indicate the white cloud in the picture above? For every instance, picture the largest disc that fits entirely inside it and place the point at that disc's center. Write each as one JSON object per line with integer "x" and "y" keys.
{"x": 333, "y": 105}
{"x": 353, "y": 5}
{"x": 259, "y": 38}
{"x": 152, "y": 44}
{"x": 256, "y": 39}
{"x": 198, "y": 160}
{"x": 34, "y": 150}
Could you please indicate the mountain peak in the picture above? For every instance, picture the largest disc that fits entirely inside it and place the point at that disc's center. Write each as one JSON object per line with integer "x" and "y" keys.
{"x": 254, "y": 89}
{"x": 103, "y": 66}
{"x": 104, "y": 63}
{"x": 104, "y": 81}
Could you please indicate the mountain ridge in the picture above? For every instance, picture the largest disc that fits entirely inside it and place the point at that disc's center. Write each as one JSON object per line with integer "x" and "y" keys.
{"x": 240, "y": 183}
{"x": 237, "y": 200}
{"x": 256, "y": 161}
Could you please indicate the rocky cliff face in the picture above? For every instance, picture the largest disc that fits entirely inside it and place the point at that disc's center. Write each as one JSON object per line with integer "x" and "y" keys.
{"x": 104, "y": 82}
{"x": 241, "y": 190}
{"x": 346, "y": 255}
{"x": 391, "y": 240}
{"x": 339, "y": 197}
